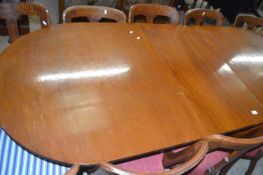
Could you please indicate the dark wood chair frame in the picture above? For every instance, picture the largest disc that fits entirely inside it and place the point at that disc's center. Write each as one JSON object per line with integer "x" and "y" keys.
{"x": 237, "y": 145}
{"x": 12, "y": 11}
{"x": 199, "y": 15}
{"x": 93, "y": 13}
{"x": 252, "y": 21}
{"x": 23, "y": 21}
{"x": 185, "y": 160}
{"x": 119, "y": 4}
{"x": 151, "y": 11}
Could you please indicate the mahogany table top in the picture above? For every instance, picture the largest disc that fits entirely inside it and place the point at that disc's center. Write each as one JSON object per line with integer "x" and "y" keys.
{"x": 88, "y": 93}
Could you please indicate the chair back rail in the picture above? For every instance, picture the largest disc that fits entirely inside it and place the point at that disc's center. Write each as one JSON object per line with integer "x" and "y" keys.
{"x": 93, "y": 13}
{"x": 151, "y": 11}
{"x": 199, "y": 15}
{"x": 231, "y": 143}
{"x": 251, "y": 21}
{"x": 12, "y": 11}
{"x": 190, "y": 157}
{"x": 201, "y": 148}
{"x": 215, "y": 142}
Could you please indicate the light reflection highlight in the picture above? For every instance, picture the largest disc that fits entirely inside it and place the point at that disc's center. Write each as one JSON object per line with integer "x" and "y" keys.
{"x": 254, "y": 112}
{"x": 104, "y": 72}
{"x": 246, "y": 59}
{"x": 225, "y": 68}
{"x": 260, "y": 74}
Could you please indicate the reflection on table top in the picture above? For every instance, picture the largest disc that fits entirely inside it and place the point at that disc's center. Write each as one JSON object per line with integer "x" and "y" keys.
{"x": 85, "y": 93}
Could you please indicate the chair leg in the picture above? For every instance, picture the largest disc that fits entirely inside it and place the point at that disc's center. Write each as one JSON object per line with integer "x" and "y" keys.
{"x": 61, "y": 8}
{"x": 227, "y": 168}
{"x": 253, "y": 163}
{"x": 224, "y": 165}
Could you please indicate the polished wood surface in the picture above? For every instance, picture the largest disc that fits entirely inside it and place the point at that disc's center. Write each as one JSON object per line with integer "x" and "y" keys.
{"x": 200, "y": 15}
{"x": 93, "y": 13}
{"x": 12, "y": 11}
{"x": 151, "y": 11}
{"x": 96, "y": 92}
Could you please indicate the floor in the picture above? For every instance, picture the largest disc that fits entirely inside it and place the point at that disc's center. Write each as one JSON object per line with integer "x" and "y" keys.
{"x": 52, "y": 5}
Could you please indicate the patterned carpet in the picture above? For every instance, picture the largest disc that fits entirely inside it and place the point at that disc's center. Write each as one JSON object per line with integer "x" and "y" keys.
{"x": 52, "y": 5}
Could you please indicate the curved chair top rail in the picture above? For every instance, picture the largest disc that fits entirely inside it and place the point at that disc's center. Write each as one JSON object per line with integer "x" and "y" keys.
{"x": 199, "y": 15}
{"x": 12, "y": 11}
{"x": 251, "y": 21}
{"x": 226, "y": 142}
{"x": 240, "y": 145}
{"x": 93, "y": 13}
{"x": 150, "y": 11}
{"x": 201, "y": 148}
{"x": 191, "y": 156}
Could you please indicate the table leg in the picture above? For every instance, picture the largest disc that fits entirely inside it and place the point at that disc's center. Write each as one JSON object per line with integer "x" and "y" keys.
{"x": 61, "y": 7}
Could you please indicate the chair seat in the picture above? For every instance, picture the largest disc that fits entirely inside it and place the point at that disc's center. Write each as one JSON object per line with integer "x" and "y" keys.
{"x": 151, "y": 164}
{"x": 17, "y": 161}
{"x": 253, "y": 153}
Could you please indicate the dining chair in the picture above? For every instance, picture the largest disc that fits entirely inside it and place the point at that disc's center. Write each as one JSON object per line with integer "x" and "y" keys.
{"x": 209, "y": 155}
{"x": 14, "y": 159}
{"x": 64, "y": 4}
{"x": 93, "y": 14}
{"x": 153, "y": 164}
{"x": 222, "y": 151}
{"x": 23, "y": 21}
{"x": 249, "y": 22}
{"x": 252, "y": 155}
{"x": 151, "y": 12}
{"x": 12, "y": 11}
{"x": 200, "y": 16}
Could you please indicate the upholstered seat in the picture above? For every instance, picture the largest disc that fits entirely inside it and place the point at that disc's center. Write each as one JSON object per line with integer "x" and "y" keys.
{"x": 151, "y": 164}
{"x": 17, "y": 161}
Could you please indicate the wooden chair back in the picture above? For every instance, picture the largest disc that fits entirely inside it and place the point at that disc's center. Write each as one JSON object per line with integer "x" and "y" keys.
{"x": 93, "y": 13}
{"x": 252, "y": 22}
{"x": 151, "y": 11}
{"x": 23, "y": 21}
{"x": 186, "y": 159}
{"x": 12, "y": 11}
{"x": 198, "y": 152}
{"x": 200, "y": 15}
{"x": 236, "y": 146}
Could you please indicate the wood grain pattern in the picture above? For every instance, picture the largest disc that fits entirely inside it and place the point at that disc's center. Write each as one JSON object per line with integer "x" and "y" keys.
{"x": 89, "y": 92}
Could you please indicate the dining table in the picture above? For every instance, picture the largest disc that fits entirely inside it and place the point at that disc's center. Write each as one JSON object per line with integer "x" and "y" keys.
{"x": 102, "y": 92}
